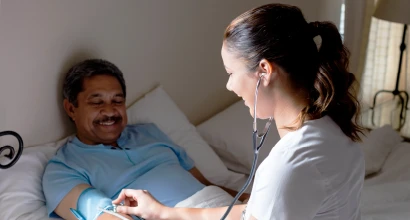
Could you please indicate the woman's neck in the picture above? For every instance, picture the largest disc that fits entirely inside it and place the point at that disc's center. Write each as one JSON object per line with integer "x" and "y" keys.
{"x": 286, "y": 112}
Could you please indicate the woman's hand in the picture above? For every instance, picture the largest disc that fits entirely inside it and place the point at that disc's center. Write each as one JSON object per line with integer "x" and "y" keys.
{"x": 140, "y": 203}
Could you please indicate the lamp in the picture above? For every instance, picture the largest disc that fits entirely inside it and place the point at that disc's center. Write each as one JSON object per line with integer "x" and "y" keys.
{"x": 395, "y": 11}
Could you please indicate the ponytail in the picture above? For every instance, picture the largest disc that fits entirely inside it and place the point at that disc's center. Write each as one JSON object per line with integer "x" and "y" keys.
{"x": 280, "y": 34}
{"x": 333, "y": 93}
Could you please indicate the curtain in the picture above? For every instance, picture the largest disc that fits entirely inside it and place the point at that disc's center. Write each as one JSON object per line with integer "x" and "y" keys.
{"x": 358, "y": 15}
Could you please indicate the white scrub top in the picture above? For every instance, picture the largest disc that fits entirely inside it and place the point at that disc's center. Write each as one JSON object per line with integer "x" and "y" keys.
{"x": 314, "y": 173}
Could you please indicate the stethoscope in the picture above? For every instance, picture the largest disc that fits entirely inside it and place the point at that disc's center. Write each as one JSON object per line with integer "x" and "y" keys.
{"x": 256, "y": 147}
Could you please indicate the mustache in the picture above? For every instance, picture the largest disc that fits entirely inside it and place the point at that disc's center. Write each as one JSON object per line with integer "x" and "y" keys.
{"x": 115, "y": 118}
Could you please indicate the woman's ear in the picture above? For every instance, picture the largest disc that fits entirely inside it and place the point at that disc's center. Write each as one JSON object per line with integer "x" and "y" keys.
{"x": 268, "y": 69}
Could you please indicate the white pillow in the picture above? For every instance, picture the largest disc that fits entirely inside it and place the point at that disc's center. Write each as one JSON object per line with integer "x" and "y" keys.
{"x": 21, "y": 193}
{"x": 157, "y": 107}
{"x": 229, "y": 133}
{"x": 377, "y": 146}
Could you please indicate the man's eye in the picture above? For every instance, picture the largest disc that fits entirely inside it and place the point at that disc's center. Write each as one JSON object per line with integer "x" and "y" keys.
{"x": 118, "y": 101}
{"x": 96, "y": 103}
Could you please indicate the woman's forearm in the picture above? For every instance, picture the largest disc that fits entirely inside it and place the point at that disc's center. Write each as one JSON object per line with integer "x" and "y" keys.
{"x": 202, "y": 214}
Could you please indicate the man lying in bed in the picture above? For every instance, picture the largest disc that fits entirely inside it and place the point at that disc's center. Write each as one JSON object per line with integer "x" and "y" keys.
{"x": 107, "y": 155}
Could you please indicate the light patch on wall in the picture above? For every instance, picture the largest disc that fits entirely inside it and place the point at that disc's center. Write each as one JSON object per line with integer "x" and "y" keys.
{"x": 342, "y": 19}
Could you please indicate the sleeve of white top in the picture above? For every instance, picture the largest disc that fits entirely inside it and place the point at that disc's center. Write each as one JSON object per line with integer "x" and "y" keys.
{"x": 291, "y": 188}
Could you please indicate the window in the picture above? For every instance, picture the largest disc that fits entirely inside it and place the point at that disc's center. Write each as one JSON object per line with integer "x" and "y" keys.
{"x": 342, "y": 19}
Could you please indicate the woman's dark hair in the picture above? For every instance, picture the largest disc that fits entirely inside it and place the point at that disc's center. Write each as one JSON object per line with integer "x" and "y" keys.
{"x": 74, "y": 78}
{"x": 280, "y": 34}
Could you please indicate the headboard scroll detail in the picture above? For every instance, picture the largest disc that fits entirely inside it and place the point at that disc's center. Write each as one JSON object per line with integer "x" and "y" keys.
{"x": 12, "y": 154}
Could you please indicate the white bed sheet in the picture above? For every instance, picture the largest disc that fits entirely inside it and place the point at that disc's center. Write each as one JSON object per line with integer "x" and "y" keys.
{"x": 387, "y": 195}
{"x": 396, "y": 167}
{"x": 209, "y": 197}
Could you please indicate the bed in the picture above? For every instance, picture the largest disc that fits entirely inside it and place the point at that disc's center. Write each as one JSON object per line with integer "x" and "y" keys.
{"x": 221, "y": 150}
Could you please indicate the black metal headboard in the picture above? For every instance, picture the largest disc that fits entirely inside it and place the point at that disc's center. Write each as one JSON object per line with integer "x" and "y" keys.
{"x": 12, "y": 154}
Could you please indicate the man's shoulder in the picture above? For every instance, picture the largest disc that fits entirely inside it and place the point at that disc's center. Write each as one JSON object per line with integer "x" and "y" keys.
{"x": 150, "y": 130}
{"x": 140, "y": 127}
{"x": 63, "y": 150}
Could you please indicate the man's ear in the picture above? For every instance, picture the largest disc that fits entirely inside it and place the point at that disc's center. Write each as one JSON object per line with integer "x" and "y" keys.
{"x": 69, "y": 109}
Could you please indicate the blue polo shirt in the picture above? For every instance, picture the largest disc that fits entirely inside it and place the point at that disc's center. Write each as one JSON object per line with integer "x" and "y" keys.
{"x": 147, "y": 159}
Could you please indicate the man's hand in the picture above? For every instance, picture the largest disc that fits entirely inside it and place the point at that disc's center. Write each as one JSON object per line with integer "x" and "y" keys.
{"x": 198, "y": 175}
{"x": 244, "y": 197}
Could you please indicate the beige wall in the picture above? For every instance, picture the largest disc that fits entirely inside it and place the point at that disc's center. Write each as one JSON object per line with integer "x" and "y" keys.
{"x": 330, "y": 10}
{"x": 174, "y": 43}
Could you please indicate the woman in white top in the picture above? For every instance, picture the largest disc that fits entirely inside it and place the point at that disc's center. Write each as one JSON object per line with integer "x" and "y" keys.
{"x": 316, "y": 170}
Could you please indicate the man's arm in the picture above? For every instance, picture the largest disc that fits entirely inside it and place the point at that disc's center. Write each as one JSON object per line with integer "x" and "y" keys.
{"x": 198, "y": 175}
{"x": 70, "y": 201}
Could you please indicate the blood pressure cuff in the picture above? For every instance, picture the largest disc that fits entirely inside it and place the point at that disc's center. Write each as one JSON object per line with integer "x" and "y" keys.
{"x": 88, "y": 203}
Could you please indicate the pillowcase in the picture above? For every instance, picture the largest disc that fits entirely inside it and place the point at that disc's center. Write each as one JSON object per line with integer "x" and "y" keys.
{"x": 21, "y": 193}
{"x": 229, "y": 133}
{"x": 376, "y": 147}
{"x": 157, "y": 107}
